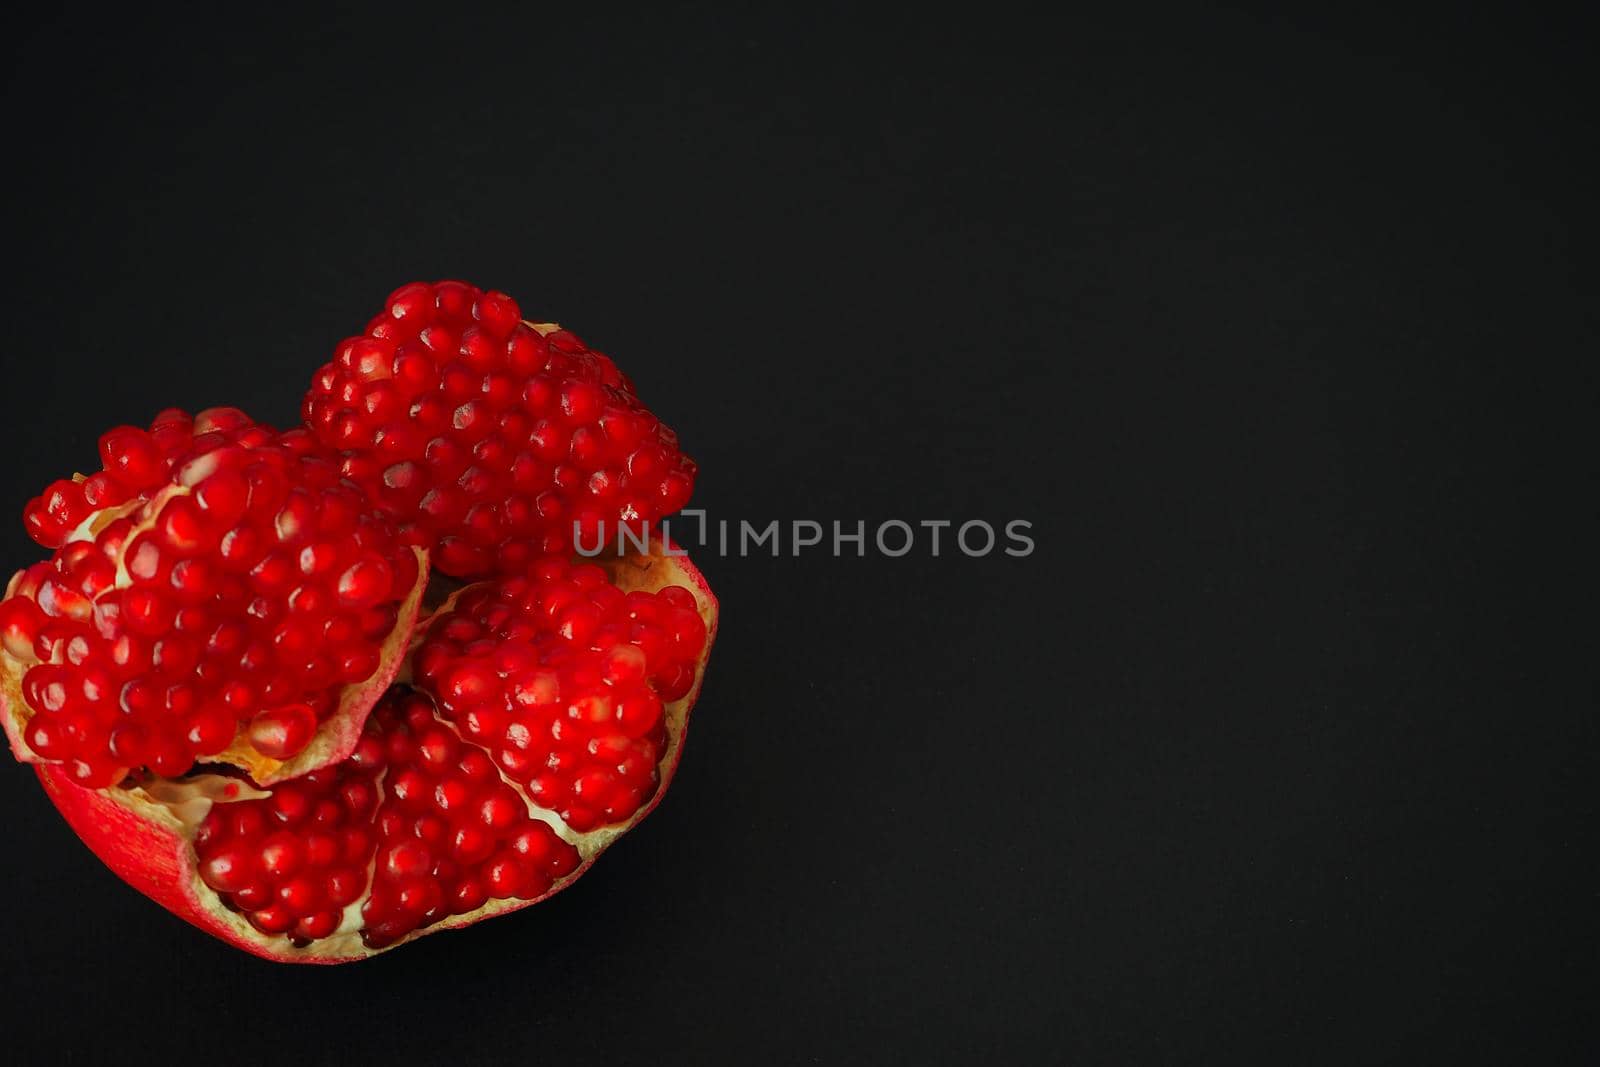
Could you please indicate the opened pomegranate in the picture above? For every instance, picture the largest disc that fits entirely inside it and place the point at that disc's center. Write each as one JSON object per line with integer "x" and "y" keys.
{"x": 423, "y": 827}
{"x": 215, "y": 673}
{"x": 491, "y": 439}
{"x": 228, "y": 598}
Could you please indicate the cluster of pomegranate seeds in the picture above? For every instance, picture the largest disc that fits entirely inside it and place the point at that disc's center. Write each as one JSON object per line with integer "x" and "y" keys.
{"x": 246, "y": 589}
{"x": 134, "y": 463}
{"x": 562, "y": 677}
{"x": 451, "y": 834}
{"x": 294, "y": 861}
{"x": 424, "y": 812}
{"x": 488, "y": 441}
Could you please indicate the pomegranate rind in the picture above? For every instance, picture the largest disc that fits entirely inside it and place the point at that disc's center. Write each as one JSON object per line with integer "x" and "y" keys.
{"x": 148, "y": 843}
{"x": 14, "y": 712}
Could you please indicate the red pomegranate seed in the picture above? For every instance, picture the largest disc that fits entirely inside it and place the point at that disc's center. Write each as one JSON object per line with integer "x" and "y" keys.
{"x": 283, "y": 732}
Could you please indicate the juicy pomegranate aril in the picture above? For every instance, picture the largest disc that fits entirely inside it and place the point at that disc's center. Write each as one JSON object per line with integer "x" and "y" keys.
{"x": 488, "y": 437}
{"x": 418, "y": 830}
{"x": 234, "y": 601}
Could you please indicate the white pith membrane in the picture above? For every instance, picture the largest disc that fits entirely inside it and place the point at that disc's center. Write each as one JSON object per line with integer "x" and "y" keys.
{"x": 179, "y": 806}
{"x": 334, "y": 739}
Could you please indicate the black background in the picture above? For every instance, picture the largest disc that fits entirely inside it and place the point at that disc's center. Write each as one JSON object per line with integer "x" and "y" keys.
{"x": 1275, "y": 748}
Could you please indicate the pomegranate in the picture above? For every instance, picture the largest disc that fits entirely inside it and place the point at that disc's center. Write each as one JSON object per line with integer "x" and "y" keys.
{"x": 489, "y": 438}
{"x": 215, "y": 673}
{"x": 229, "y": 598}
{"x": 424, "y": 826}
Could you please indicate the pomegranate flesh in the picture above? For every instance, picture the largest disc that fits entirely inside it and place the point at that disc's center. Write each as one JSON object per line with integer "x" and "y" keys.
{"x": 235, "y": 601}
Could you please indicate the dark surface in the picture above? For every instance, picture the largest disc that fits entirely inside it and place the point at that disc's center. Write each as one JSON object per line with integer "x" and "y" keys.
{"x": 1274, "y": 751}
